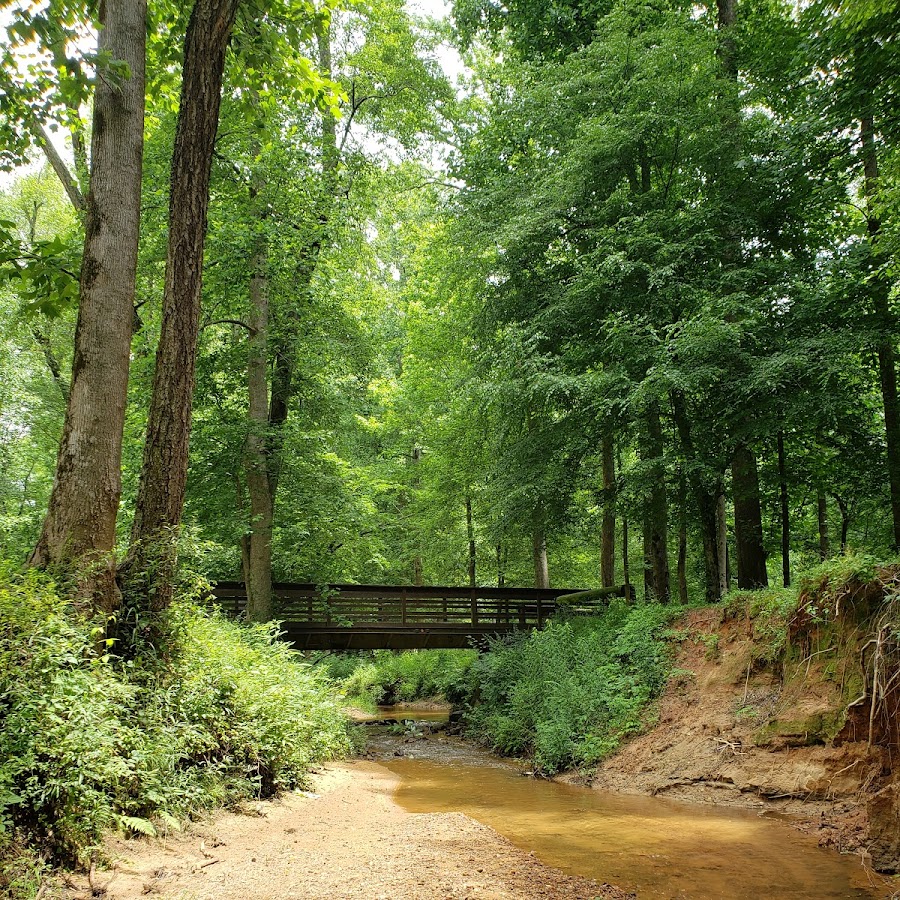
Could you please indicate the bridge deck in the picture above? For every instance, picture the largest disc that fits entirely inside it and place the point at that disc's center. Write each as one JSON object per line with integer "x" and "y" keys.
{"x": 369, "y": 617}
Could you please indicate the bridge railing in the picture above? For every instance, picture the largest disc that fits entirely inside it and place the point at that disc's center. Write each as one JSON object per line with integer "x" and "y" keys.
{"x": 385, "y": 605}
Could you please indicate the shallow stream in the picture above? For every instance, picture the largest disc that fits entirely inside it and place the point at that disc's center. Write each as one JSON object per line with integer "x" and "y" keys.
{"x": 658, "y": 848}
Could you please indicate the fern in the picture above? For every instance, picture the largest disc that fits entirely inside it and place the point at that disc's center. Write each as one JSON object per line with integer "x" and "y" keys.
{"x": 136, "y": 824}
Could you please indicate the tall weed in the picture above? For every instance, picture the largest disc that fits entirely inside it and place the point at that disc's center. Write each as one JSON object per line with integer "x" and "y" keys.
{"x": 386, "y": 677}
{"x": 91, "y": 742}
{"x": 568, "y": 695}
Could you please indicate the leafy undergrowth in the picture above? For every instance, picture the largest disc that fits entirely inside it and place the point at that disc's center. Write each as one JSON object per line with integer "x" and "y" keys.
{"x": 90, "y": 742}
{"x": 568, "y": 695}
{"x": 384, "y": 677}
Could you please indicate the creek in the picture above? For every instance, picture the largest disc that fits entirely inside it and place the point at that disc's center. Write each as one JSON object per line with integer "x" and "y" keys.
{"x": 655, "y": 847}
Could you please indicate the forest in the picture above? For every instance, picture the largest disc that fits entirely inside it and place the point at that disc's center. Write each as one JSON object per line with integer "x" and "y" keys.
{"x": 583, "y": 294}
{"x": 616, "y": 306}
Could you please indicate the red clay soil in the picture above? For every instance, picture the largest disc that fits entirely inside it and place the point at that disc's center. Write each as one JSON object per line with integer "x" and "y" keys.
{"x": 728, "y": 733}
{"x": 346, "y": 839}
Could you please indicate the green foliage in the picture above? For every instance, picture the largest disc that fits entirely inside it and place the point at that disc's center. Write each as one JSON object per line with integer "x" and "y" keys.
{"x": 771, "y": 611}
{"x": 45, "y": 273}
{"x": 89, "y": 743}
{"x": 834, "y": 576}
{"x": 567, "y": 696}
{"x": 386, "y": 677}
{"x": 816, "y": 598}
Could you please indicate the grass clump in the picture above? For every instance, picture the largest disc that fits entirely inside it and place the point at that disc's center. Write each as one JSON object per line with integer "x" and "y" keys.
{"x": 568, "y": 695}
{"x": 385, "y": 677}
{"x": 90, "y": 742}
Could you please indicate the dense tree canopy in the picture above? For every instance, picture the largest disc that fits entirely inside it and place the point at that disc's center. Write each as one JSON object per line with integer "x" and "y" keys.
{"x": 619, "y": 305}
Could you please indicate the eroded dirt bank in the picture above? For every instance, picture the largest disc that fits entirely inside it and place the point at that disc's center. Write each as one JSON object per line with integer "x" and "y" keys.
{"x": 733, "y": 729}
{"x": 347, "y": 839}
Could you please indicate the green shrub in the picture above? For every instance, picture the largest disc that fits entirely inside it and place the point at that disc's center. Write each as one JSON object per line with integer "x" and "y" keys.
{"x": 90, "y": 742}
{"x": 770, "y": 610}
{"x": 567, "y": 696}
{"x": 386, "y": 677}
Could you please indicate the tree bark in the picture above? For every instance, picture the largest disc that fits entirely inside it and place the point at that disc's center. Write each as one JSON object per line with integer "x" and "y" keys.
{"x": 822, "y": 518}
{"x": 263, "y": 456}
{"x": 844, "y": 507}
{"x": 726, "y": 16}
{"x": 161, "y": 491}
{"x": 785, "y": 514}
{"x": 470, "y": 533}
{"x": 608, "y": 528}
{"x": 682, "y": 543}
{"x": 704, "y": 498}
{"x": 256, "y": 450}
{"x": 415, "y": 457}
{"x": 658, "y": 508}
{"x": 539, "y": 551}
{"x": 67, "y": 179}
{"x": 37, "y": 332}
{"x": 721, "y": 542}
{"x": 79, "y": 529}
{"x": 626, "y": 569}
{"x": 880, "y": 286}
{"x": 647, "y": 554}
{"x": 748, "y": 530}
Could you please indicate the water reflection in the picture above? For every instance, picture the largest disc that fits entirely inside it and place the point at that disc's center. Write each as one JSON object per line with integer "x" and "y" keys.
{"x": 658, "y": 848}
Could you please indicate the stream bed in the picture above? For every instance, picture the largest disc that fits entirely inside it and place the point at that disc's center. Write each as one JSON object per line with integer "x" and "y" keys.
{"x": 655, "y": 847}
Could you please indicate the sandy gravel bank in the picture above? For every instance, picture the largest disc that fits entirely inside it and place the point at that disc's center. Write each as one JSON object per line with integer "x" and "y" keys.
{"x": 347, "y": 839}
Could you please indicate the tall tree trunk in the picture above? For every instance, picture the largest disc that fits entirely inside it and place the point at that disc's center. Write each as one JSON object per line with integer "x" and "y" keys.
{"x": 69, "y": 182}
{"x": 704, "y": 498}
{"x": 415, "y": 457}
{"x": 748, "y": 530}
{"x": 608, "y": 529}
{"x": 880, "y": 288}
{"x": 785, "y": 514}
{"x": 726, "y": 16}
{"x": 822, "y": 517}
{"x": 501, "y": 565}
{"x": 626, "y": 568}
{"x": 721, "y": 542}
{"x": 79, "y": 529}
{"x": 682, "y": 542}
{"x": 470, "y": 533}
{"x": 256, "y": 455}
{"x": 264, "y": 452}
{"x": 160, "y": 499}
{"x": 647, "y": 555}
{"x": 844, "y": 507}
{"x": 37, "y": 331}
{"x": 539, "y": 551}
{"x": 658, "y": 508}
{"x": 322, "y": 212}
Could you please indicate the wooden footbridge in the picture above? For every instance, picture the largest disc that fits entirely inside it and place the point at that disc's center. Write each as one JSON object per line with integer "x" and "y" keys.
{"x": 370, "y": 617}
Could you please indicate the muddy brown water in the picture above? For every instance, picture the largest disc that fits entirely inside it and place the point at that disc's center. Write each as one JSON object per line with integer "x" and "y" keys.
{"x": 656, "y": 847}
{"x": 405, "y": 713}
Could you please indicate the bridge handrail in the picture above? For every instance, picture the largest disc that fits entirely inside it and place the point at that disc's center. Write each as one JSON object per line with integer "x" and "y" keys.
{"x": 439, "y": 592}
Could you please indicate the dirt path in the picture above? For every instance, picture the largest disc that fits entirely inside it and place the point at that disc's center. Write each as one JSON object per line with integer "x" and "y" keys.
{"x": 347, "y": 839}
